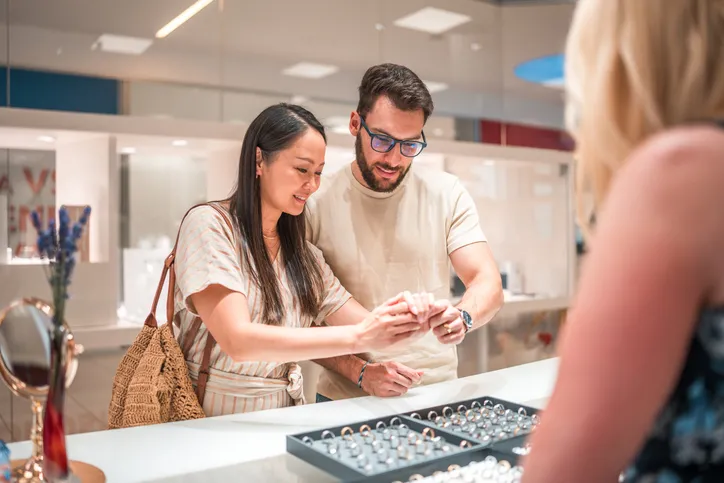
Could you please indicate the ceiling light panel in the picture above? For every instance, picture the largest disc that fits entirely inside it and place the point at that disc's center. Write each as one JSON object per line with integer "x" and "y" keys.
{"x": 309, "y": 70}
{"x": 121, "y": 44}
{"x": 432, "y": 20}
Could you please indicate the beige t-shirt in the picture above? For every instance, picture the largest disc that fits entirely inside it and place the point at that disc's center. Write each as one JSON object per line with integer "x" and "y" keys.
{"x": 209, "y": 253}
{"x": 380, "y": 244}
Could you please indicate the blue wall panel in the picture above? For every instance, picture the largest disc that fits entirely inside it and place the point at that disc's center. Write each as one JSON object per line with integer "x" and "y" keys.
{"x": 33, "y": 89}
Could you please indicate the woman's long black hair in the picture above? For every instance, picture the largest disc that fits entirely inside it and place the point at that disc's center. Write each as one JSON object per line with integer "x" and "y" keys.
{"x": 274, "y": 130}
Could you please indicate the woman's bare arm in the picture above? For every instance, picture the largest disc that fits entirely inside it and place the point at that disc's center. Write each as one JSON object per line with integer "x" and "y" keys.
{"x": 226, "y": 315}
{"x": 647, "y": 276}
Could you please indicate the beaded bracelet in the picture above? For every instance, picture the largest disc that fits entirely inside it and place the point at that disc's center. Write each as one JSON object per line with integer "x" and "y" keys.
{"x": 361, "y": 374}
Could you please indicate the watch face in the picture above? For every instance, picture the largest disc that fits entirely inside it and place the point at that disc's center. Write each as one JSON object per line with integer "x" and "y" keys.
{"x": 466, "y": 318}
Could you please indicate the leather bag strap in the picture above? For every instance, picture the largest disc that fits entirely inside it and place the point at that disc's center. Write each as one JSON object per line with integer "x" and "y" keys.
{"x": 169, "y": 270}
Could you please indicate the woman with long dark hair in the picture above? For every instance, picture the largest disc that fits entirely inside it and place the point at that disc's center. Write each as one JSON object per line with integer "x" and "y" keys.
{"x": 259, "y": 286}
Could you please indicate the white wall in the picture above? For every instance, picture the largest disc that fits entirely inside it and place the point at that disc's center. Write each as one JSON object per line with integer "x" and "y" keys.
{"x": 84, "y": 171}
{"x": 161, "y": 189}
{"x": 523, "y": 209}
{"x": 222, "y": 172}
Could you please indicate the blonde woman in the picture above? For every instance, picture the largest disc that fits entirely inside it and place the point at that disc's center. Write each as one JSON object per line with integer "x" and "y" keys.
{"x": 640, "y": 389}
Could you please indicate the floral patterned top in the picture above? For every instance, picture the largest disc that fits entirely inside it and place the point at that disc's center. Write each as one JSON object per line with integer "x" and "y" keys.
{"x": 687, "y": 441}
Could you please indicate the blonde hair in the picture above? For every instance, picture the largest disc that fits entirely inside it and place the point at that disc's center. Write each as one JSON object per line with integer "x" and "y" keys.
{"x": 633, "y": 68}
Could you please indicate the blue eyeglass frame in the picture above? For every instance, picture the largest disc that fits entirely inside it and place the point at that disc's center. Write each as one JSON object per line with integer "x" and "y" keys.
{"x": 395, "y": 141}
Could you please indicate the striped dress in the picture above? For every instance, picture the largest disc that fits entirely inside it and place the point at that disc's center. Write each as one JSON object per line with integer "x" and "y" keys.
{"x": 208, "y": 253}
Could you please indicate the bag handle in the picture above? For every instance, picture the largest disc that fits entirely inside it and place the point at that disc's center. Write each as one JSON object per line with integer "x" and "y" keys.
{"x": 169, "y": 269}
{"x": 151, "y": 320}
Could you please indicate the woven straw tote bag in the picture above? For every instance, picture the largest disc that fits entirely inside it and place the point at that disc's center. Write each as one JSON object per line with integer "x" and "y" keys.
{"x": 152, "y": 383}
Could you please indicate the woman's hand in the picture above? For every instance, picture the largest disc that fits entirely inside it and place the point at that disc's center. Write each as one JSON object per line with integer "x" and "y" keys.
{"x": 422, "y": 305}
{"x": 391, "y": 322}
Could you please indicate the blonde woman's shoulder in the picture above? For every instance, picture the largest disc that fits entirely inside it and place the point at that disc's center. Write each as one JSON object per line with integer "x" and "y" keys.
{"x": 674, "y": 185}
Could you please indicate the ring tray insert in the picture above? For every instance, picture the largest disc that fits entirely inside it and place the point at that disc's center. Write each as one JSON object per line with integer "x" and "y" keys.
{"x": 399, "y": 446}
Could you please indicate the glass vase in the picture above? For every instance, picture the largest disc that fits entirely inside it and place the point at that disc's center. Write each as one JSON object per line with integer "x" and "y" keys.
{"x": 55, "y": 454}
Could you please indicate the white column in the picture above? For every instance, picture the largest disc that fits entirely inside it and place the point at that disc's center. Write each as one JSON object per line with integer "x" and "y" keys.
{"x": 222, "y": 170}
{"x": 87, "y": 174}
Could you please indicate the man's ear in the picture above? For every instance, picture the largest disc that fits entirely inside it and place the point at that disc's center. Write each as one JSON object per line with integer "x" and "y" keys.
{"x": 355, "y": 123}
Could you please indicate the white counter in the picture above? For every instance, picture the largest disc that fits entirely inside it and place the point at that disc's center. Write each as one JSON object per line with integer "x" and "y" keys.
{"x": 252, "y": 447}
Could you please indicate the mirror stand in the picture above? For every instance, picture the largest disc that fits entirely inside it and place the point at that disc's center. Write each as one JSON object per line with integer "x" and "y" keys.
{"x": 24, "y": 367}
{"x": 32, "y": 470}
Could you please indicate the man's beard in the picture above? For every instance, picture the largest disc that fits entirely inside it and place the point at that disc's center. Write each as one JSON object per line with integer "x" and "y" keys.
{"x": 368, "y": 173}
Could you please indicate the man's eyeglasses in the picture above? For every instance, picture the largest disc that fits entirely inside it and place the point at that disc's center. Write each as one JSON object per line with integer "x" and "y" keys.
{"x": 383, "y": 143}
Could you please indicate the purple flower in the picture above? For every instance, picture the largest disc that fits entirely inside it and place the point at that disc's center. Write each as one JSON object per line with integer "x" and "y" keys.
{"x": 59, "y": 246}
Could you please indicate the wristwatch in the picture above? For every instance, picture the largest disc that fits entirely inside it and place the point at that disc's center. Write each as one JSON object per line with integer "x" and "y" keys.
{"x": 467, "y": 320}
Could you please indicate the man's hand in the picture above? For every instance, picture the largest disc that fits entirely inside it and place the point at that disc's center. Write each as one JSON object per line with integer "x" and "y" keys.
{"x": 447, "y": 324}
{"x": 389, "y": 379}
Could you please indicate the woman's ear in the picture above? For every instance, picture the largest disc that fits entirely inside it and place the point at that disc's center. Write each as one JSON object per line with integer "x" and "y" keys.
{"x": 259, "y": 161}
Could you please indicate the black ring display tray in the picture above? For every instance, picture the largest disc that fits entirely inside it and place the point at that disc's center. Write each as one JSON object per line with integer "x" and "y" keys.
{"x": 419, "y": 443}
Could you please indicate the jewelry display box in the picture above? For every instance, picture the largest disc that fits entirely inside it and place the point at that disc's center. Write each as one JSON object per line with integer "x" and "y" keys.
{"x": 416, "y": 445}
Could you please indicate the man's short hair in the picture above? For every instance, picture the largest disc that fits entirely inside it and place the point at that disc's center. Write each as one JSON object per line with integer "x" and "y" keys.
{"x": 398, "y": 83}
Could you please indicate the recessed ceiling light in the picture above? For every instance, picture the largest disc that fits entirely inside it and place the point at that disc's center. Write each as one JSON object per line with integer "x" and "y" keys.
{"x": 46, "y": 139}
{"x": 180, "y": 143}
{"x": 128, "y": 150}
{"x": 475, "y": 46}
{"x": 379, "y": 26}
{"x": 120, "y": 44}
{"x": 299, "y": 100}
{"x": 435, "y": 86}
{"x": 309, "y": 70}
{"x": 182, "y": 18}
{"x": 432, "y": 20}
{"x": 554, "y": 83}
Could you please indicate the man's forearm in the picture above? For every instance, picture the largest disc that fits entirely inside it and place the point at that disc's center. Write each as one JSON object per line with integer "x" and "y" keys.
{"x": 348, "y": 366}
{"x": 482, "y": 300}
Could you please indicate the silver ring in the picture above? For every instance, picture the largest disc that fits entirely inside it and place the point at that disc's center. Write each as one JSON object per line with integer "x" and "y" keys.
{"x": 431, "y": 416}
{"x": 307, "y": 440}
{"x": 327, "y": 435}
{"x": 462, "y": 408}
{"x": 380, "y": 425}
{"x": 447, "y": 411}
{"x": 394, "y": 422}
{"x": 415, "y": 416}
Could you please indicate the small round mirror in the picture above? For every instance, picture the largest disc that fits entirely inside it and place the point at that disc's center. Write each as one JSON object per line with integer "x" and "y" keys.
{"x": 25, "y": 328}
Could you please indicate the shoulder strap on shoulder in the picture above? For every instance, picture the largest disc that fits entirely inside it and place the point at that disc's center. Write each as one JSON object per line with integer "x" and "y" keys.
{"x": 168, "y": 270}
